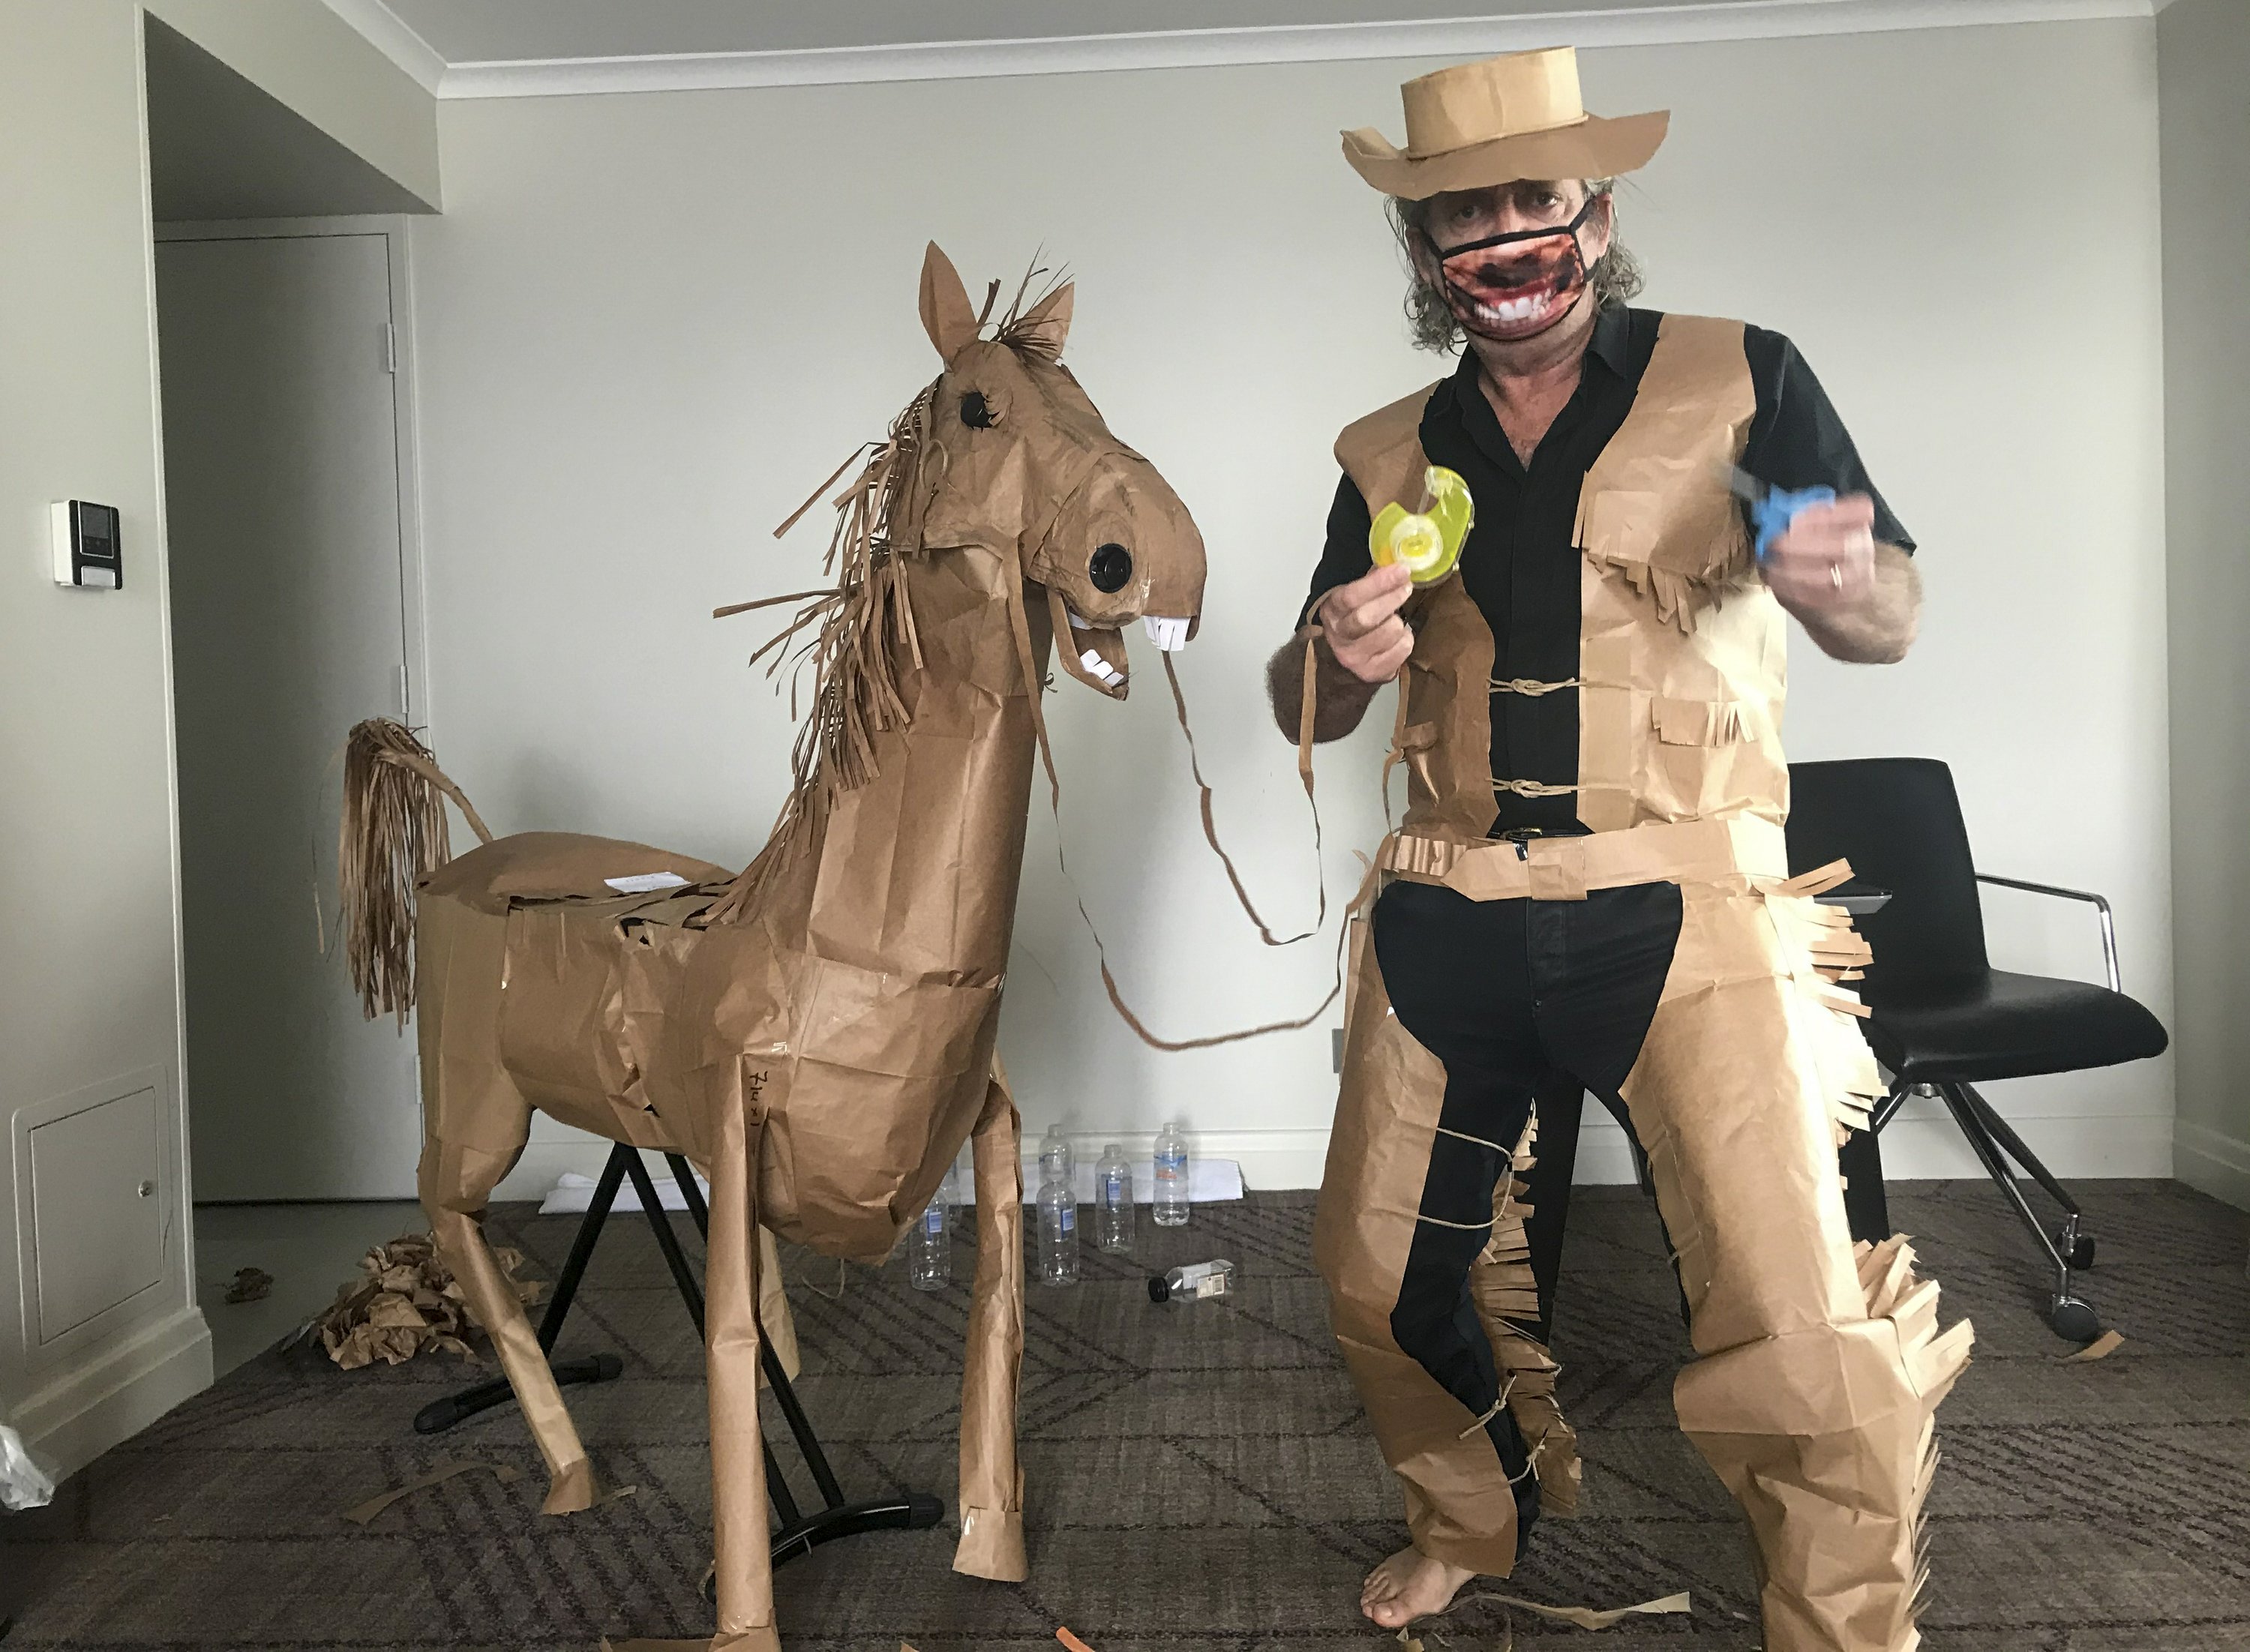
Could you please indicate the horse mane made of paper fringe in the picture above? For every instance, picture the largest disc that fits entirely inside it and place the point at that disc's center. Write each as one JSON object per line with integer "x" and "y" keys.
{"x": 864, "y": 625}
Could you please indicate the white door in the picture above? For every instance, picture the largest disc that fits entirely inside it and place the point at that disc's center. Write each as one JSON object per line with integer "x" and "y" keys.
{"x": 289, "y": 624}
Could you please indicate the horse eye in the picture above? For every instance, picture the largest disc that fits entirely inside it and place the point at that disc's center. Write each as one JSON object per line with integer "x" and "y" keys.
{"x": 974, "y": 412}
{"x": 1112, "y": 565}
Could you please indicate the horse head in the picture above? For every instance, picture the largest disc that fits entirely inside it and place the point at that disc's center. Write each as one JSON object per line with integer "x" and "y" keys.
{"x": 1019, "y": 461}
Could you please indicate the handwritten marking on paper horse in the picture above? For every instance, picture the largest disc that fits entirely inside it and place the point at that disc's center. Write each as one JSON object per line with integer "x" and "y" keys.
{"x": 817, "y": 1032}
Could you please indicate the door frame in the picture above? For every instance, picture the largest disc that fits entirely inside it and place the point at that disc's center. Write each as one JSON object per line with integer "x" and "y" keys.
{"x": 397, "y": 231}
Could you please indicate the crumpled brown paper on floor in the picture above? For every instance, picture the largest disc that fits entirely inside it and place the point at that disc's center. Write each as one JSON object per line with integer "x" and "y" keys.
{"x": 405, "y": 1302}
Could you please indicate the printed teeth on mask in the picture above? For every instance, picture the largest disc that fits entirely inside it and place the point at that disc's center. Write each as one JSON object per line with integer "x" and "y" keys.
{"x": 1100, "y": 668}
{"x": 1514, "y": 309}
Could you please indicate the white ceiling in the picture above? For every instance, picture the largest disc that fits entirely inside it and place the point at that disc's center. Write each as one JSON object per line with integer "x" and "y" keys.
{"x": 528, "y": 48}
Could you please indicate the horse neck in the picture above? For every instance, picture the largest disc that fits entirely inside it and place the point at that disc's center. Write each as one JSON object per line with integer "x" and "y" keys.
{"x": 914, "y": 873}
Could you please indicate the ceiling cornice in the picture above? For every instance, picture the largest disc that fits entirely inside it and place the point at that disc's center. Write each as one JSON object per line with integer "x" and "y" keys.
{"x": 1593, "y": 26}
{"x": 384, "y": 30}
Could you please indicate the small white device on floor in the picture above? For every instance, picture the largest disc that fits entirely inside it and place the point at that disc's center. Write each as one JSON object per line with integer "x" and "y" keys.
{"x": 87, "y": 551}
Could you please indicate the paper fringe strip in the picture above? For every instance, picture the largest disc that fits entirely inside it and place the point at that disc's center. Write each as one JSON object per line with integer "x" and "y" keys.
{"x": 405, "y": 1303}
{"x": 361, "y": 1514}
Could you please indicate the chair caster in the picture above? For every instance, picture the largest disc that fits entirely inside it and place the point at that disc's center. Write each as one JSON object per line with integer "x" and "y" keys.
{"x": 2074, "y": 1320}
{"x": 2076, "y": 1250}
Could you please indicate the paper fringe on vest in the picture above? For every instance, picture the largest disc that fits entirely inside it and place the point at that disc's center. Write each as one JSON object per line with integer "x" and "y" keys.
{"x": 816, "y": 1032}
{"x": 406, "y": 1302}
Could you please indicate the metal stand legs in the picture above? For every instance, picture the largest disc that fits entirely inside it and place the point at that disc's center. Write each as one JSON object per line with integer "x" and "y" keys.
{"x": 1995, "y": 1143}
{"x": 799, "y": 1531}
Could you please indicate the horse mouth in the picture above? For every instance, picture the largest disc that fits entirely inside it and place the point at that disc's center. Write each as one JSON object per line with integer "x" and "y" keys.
{"x": 1100, "y": 650}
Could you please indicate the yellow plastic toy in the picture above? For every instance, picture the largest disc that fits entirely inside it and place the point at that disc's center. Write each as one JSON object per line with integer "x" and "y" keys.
{"x": 1429, "y": 541}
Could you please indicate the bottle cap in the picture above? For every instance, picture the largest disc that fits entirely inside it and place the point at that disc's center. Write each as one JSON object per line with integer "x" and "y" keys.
{"x": 1160, "y": 1289}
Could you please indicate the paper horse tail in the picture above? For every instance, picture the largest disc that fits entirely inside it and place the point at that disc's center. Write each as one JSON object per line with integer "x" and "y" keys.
{"x": 393, "y": 835}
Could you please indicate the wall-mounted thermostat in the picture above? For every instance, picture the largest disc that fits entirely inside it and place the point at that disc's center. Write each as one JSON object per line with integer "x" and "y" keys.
{"x": 86, "y": 549}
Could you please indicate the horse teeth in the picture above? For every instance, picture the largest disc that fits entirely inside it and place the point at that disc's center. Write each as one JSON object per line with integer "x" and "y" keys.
{"x": 1078, "y": 621}
{"x": 1093, "y": 662}
{"x": 1169, "y": 634}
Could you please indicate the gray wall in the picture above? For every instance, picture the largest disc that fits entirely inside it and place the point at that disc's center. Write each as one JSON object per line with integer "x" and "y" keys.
{"x": 651, "y": 321}
{"x": 2205, "y": 49}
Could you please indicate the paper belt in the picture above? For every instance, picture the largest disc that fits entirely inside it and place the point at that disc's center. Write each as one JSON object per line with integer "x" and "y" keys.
{"x": 1565, "y": 868}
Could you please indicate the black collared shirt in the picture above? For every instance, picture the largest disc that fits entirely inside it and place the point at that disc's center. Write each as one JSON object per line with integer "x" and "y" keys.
{"x": 1519, "y": 565}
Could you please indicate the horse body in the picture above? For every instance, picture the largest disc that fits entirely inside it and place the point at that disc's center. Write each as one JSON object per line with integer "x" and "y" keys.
{"x": 816, "y": 1032}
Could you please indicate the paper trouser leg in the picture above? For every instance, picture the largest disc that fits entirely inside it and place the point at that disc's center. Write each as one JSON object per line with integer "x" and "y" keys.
{"x": 476, "y": 1122}
{"x": 1459, "y": 1506}
{"x": 991, "y": 1482}
{"x": 1819, "y": 1366}
{"x": 742, "y": 1534}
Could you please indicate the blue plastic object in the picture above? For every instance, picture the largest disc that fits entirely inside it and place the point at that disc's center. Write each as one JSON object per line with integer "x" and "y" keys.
{"x": 1773, "y": 512}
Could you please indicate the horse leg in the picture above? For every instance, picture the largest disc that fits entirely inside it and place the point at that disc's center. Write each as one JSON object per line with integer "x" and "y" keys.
{"x": 991, "y": 1482}
{"x": 775, "y": 1317}
{"x": 476, "y": 1125}
{"x": 742, "y": 1534}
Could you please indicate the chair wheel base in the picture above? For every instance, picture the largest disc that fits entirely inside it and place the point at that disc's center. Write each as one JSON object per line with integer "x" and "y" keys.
{"x": 2073, "y": 1319}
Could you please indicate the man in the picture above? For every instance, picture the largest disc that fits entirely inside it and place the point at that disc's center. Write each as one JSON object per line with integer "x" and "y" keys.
{"x": 1589, "y": 885}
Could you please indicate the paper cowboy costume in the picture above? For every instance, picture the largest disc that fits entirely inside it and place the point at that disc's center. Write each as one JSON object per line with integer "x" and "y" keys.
{"x": 1590, "y": 883}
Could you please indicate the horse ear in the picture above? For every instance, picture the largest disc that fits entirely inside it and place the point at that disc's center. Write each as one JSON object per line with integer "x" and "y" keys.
{"x": 1047, "y": 322}
{"x": 946, "y": 316}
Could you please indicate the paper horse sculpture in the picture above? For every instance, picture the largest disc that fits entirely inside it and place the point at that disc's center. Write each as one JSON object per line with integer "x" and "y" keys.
{"x": 816, "y": 1032}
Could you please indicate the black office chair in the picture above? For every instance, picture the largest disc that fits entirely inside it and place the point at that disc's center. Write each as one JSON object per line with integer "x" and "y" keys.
{"x": 1943, "y": 1018}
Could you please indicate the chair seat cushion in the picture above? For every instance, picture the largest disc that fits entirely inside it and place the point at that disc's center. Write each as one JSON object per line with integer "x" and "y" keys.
{"x": 2011, "y": 1027}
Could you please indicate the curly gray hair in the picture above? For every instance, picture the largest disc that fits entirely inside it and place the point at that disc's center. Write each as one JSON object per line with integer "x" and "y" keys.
{"x": 1616, "y": 277}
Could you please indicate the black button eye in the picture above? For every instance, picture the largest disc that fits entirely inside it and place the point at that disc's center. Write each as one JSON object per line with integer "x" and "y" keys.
{"x": 1111, "y": 567}
{"x": 975, "y": 412}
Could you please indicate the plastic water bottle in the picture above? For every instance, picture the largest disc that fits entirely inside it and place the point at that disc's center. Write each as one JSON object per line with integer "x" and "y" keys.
{"x": 1171, "y": 1189}
{"x": 1058, "y": 1234}
{"x": 1193, "y": 1282}
{"x": 1113, "y": 1200}
{"x": 1056, "y": 1161}
{"x": 929, "y": 1247}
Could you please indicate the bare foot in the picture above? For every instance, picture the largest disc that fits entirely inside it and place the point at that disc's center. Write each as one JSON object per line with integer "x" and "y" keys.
{"x": 1410, "y": 1584}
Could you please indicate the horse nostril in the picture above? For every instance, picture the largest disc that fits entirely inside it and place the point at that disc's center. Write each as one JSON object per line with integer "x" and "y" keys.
{"x": 1111, "y": 567}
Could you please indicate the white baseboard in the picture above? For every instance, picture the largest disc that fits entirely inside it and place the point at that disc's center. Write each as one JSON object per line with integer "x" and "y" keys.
{"x": 2216, "y": 1163}
{"x": 1921, "y": 1143}
{"x": 117, "y": 1392}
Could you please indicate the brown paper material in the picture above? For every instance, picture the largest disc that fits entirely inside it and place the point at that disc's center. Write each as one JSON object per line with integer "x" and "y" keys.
{"x": 1587, "y": 1617}
{"x": 1819, "y": 1366}
{"x": 816, "y": 1032}
{"x": 406, "y": 1302}
{"x": 362, "y": 1513}
{"x": 2100, "y": 1348}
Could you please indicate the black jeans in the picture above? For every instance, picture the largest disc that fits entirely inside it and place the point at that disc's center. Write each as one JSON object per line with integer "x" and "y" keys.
{"x": 1517, "y": 999}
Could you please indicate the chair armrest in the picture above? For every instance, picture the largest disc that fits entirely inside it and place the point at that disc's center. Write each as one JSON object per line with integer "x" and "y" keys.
{"x": 2100, "y": 904}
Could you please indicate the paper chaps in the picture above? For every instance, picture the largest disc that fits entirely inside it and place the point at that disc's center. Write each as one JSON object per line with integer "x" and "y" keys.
{"x": 1818, "y": 1365}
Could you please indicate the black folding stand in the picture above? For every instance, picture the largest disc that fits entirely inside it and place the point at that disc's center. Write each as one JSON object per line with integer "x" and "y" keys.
{"x": 798, "y": 1531}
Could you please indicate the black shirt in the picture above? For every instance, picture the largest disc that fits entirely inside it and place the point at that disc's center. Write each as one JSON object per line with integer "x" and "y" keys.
{"x": 1520, "y": 566}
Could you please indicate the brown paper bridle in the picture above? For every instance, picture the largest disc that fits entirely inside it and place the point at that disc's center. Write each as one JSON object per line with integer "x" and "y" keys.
{"x": 1019, "y": 624}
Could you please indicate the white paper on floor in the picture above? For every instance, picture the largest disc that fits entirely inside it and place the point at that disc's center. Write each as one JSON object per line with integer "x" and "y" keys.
{"x": 1209, "y": 1179}
{"x": 575, "y": 1193}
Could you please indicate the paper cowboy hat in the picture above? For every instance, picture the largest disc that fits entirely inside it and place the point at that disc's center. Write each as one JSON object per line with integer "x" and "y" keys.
{"x": 1517, "y": 116}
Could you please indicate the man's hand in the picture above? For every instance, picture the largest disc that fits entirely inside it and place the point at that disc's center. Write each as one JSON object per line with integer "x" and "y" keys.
{"x": 1858, "y": 600}
{"x": 1362, "y": 624}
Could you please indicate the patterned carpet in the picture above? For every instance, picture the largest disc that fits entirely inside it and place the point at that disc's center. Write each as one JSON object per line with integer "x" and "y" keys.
{"x": 1199, "y": 1476}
